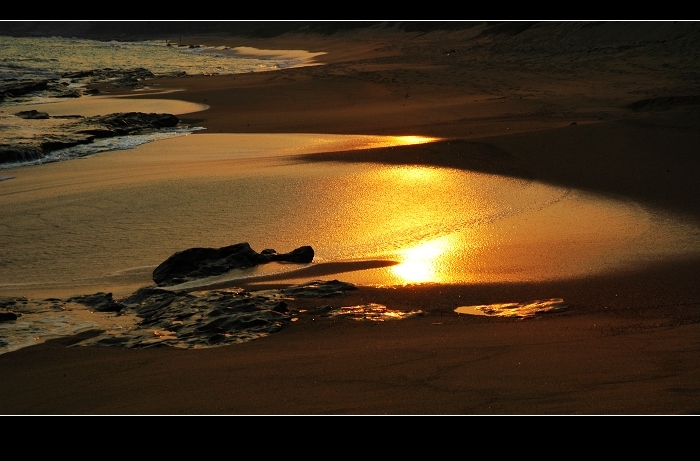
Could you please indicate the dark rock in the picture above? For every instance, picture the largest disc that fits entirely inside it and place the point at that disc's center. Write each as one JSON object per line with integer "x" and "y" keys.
{"x": 69, "y": 94}
{"x": 116, "y": 77}
{"x": 83, "y": 131}
{"x": 13, "y": 89}
{"x": 20, "y": 153}
{"x": 196, "y": 319}
{"x": 101, "y": 302}
{"x": 56, "y": 143}
{"x": 7, "y": 302}
{"x": 197, "y": 263}
{"x": 32, "y": 115}
{"x": 6, "y": 315}
{"x": 134, "y": 122}
{"x": 281, "y": 307}
{"x": 318, "y": 289}
{"x": 165, "y": 317}
{"x": 302, "y": 255}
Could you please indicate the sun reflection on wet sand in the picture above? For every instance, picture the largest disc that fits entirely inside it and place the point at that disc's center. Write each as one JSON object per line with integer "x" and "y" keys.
{"x": 420, "y": 263}
{"x": 519, "y": 310}
{"x": 426, "y": 224}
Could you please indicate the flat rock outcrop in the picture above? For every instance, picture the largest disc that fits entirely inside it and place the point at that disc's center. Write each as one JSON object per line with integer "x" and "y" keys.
{"x": 80, "y": 130}
{"x": 196, "y": 263}
{"x": 58, "y": 87}
{"x": 154, "y": 316}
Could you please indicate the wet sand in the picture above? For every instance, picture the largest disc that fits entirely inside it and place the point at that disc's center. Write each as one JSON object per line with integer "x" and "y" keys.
{"x": 627, "y": 345}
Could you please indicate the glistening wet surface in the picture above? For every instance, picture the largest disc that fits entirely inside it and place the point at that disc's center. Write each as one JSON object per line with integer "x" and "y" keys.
{"x": 515, "y": 309}
{"x": 152, "y": 316}
{"x": 108, "y": 220}
{"x": 104, "y": 222}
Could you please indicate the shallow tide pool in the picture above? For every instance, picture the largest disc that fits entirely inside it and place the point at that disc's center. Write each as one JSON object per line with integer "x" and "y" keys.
{"x": 100, "y": 221}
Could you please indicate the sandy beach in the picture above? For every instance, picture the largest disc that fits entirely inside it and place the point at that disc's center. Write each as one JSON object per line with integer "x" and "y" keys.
{"x": 609, "y": 110}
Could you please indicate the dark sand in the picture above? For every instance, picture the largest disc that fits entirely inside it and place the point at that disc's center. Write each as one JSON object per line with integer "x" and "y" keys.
{"x": 630, "y": 342}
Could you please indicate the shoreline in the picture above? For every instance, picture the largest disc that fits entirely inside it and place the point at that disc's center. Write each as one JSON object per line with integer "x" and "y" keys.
{"x": 627, "y": 344}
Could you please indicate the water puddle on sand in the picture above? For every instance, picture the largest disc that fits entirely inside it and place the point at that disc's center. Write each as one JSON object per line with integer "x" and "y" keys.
{"x": 518, "y": 310}
{"x": 372, "y": 311}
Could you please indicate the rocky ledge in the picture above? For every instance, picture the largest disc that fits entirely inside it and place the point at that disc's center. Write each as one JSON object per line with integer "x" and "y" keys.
{"x": 79, "y": 130}
{"x": 162, "y": 317}
{"x": 77, "y": 84}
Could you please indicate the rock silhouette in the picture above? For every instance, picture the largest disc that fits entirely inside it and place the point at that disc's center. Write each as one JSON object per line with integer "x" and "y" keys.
{"x": 195, "y": 263}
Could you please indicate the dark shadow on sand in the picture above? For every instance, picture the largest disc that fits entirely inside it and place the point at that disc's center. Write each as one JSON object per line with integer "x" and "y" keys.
{"x": 312, "y": 271}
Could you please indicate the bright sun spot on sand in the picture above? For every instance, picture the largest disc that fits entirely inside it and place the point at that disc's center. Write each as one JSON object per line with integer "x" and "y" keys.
{"x": 336, "y": 143}
{"x": 419, "y": 262}
{"x": 408, "y": 140}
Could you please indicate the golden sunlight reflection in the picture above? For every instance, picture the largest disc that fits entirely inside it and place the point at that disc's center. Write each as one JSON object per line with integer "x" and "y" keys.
{"x": 419, "y": 263}
{"x": 438, "y": 225}
{"x": 519, "y": 310}
{"x": 406, "y": 140}
{"x": 340, "y": 142}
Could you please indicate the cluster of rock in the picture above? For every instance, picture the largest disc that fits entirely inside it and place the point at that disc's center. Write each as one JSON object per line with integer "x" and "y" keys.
{"x": 80, "y": 130}
{"x": 168, "y": 316}
{"x": 86, "y": 129}
{"x": 182, "y": 319}
{"x": 203, "y": 319}
{"x": 64, "y": 86}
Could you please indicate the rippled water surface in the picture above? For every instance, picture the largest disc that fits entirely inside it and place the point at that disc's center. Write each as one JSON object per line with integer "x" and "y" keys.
{"x": 26, "y": 57}
{"x": 438, "y": 225}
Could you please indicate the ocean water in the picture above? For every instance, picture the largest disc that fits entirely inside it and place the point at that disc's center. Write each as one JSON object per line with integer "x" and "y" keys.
{"x": 67, "y": 63}
{"x": 54, "y": 57}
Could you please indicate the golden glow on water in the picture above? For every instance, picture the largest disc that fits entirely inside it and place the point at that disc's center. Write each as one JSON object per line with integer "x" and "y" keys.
{"x": 439, "y": 225}
{"x": 307, "y": 143}
{"x": 373, "y": 311}
{"x": 420, "y": 262}
{"x": 405, "y": 140}
{"x": 519, "y": 310}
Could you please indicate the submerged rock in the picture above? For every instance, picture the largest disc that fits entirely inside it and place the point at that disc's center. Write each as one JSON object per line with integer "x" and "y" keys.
{"x": 101, "y": 302}
{"x": 32, "y": 115}
{"x": 15, "y": 88}
{"x": 189, "y": 320}
{"x": 154, "y": 316}
{"x": 318, "y": 289}
{"x": 195, "y": 263}
{"x": 84, "y": 130}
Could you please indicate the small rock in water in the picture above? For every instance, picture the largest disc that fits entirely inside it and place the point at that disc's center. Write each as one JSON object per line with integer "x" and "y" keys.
{"x": 101, "y": 302}
{"x": 32, "y": 115}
